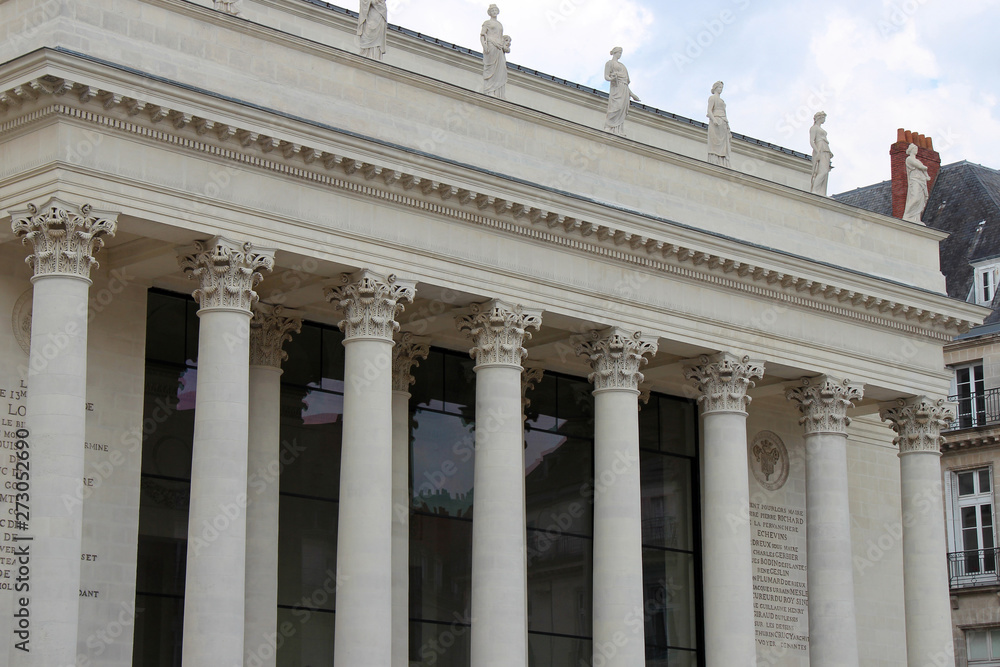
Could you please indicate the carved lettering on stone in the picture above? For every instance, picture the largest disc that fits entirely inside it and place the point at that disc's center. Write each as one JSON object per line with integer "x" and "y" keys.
{"x": 723, "y": 381}
{"x": 370, "y": 302}
{"x": 918, "y": 423}
{"x": 823, "y": 402}
{"x": 498, "y": 331}
{"x": 405, "y": 355}
{"x": 227, "y": 271}
{"x": 270, "y": 328}
{"x": 616, "y": 355}
{"x": 65, "y": 237}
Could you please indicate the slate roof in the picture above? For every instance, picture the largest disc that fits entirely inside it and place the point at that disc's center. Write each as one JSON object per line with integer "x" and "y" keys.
{"x": 965, "y": 203}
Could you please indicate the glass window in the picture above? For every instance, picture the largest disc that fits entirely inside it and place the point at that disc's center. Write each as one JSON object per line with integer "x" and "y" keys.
{"x": 307, "y": 552}
{"x": 973, "y": 560}
{"x": 560, "y": 587}
{"x": 669, "y": 589}
{"x": 667, "y": 513}
{"x": 983, "y": 647}
{"x": 558, "y": 478}
{"x": 442, "y": 463}
{"x": 440, "y": 568}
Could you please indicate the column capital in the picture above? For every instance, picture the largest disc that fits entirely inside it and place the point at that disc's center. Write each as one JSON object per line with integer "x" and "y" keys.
{"x": 370, "y": 302}
{"x": 270, "y": 328}
{"x": 405, "y": 355}
{"x": 65, "y": 237}
{"x": 616, "y": 355}
{"x": 228, "y": 271}
{"x": 917, "y": 422}
{"x": 498, "y": 331}
{"x": 723, "y": 380}
{"x": 823, "y": 402}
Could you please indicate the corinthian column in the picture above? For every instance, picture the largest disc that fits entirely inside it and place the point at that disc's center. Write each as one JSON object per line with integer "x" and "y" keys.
{"x": 270, "y": 328}
{"x": 407, "y": 353}
{"x": 918, "y": 422}
{"x": 214, "y": 602}
{"x": 833, "y": 634}
{"x": 499, "y": 567}
{"x": 370, "y": 303}
{"x": 616, "y": 356}
{"x": 64, "y": 238}
{"x": 723, "y": 380}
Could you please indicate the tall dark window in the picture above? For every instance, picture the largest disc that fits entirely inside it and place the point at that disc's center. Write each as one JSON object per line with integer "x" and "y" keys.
{"x": 559, "y": 482}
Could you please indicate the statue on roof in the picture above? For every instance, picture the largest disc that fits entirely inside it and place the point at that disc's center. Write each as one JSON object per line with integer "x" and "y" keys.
{"x": 822, "y": 159}
{"x": 916, "y": 186}
{"x": 495, "y": 47}
{"x": 619, "y": 95}
{"x": 373, "y": 19}
{"x": 719, "y": 137}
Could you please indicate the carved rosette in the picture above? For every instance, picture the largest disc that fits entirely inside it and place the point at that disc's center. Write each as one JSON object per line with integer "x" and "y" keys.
{"x": 529, "y": 378}
{"x": 723, "y": 381}
{"x": 918, "y": 422}
{"x": 227, "y": 270}
{"x": 616, "y": 355}
{"x": 65, "y": 237}
{"x": 370, "y": 302}
{"x": 405, "y": 355}
{"x": 498, "y": 331}
{"x": 270, "y": 328}
{"x": 823, "y": 402}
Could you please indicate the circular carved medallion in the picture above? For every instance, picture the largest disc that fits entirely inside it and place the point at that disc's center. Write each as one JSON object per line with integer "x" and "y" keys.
{"x": 20, "y": 320}
{"x": 769, "y": 460}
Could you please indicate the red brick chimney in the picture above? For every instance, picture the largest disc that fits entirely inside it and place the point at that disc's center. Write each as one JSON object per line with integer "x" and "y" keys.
{"x": 897, "y": 158}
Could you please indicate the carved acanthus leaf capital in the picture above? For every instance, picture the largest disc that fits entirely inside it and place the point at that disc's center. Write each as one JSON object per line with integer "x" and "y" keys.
{"x": 498, "y": 331}
{"x": 918, "y": 422}
{"x": 270, "y": 328}
{"x": 824, "y": 402}
{"x": 616, "y": 355}
{"x": 723, "y": 381}
{"x": 405, "y": 355}
{"x": 529, "y": 378}
{"x": 64, "y": 237}
{"x": 370, "y": 302}
{"x": 227, "y": 271}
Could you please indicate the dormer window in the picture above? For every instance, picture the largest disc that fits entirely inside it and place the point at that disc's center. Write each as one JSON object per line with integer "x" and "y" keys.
{"x": 985, "y": 288}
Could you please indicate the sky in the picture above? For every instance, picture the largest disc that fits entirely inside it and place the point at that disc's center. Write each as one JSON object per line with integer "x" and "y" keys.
{"x": 930, "y": 66}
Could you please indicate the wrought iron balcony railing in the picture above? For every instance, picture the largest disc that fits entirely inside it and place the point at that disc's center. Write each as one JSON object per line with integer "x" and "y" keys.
{"x": 977, "y": 410}
{"x": 973, "y": 568}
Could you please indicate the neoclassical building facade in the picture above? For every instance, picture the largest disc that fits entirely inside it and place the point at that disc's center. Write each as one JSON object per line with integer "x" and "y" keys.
{"x": 322, "y": 360}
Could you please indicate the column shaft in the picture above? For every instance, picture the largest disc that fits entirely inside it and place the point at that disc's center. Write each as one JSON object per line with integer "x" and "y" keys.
{"x": 499, "y": 570}
{"x": 833, "y": 634}
{"x": 364, "y": 537}
{"x": 56, "y": 421}
{"x": 214, "y": 602}
{"x": 262, "y": 515}
{"x": 618, "y": 595}
{"x": 925, "y": 573}
{"x": 400, "y": 528}
{"x": 729, "y": 622}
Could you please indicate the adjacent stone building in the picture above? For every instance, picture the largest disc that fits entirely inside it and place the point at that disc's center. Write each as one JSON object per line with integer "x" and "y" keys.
{"x": 319, "y": 359}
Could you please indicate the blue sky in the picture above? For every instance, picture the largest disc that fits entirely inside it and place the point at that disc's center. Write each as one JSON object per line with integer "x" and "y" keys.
{"x": 932, "y": 66}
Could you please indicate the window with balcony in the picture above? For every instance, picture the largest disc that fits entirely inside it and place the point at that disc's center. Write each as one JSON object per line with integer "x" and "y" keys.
{"x": 983, "y": 647}
{"x": 973, "y": 561}
{"x": 969, "y": 391}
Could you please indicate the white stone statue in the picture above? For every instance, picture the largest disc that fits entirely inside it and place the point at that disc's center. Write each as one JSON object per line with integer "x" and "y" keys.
{"x": 495, "y": 47}
{"x": 916, "y": 186}
{"x": 619, "y": 95}
{"x": 372, "y": 21}
{"x": 719, "y": 138}
{"x": 227, "y": 6}
{"x": 822, "y": 156}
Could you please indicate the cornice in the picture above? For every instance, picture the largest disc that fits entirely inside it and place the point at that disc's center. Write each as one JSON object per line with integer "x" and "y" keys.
{"x": 690, "y": 254}
{"x": 974, "y": 438}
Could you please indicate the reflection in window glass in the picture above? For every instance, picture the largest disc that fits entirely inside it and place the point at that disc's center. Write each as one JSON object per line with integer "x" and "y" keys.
{"x": 443, "y": 458}
{"x": 668, "y": 586}
{"x": 308, "y": 641}
{"x": 440, "y": 568}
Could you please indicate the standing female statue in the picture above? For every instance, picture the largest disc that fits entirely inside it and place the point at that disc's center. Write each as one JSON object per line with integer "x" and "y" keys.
{"x": 719, "y": 138}
{"x": 372, "y": 21}
{"x": 619, "y": 94}
{"x": 495, "y": 46}
{"x": 916, "y": 185}
{"x": 822, "y": 156}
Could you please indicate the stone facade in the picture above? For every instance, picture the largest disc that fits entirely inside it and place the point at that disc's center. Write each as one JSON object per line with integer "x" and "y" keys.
{"x": 322, "y": 175}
